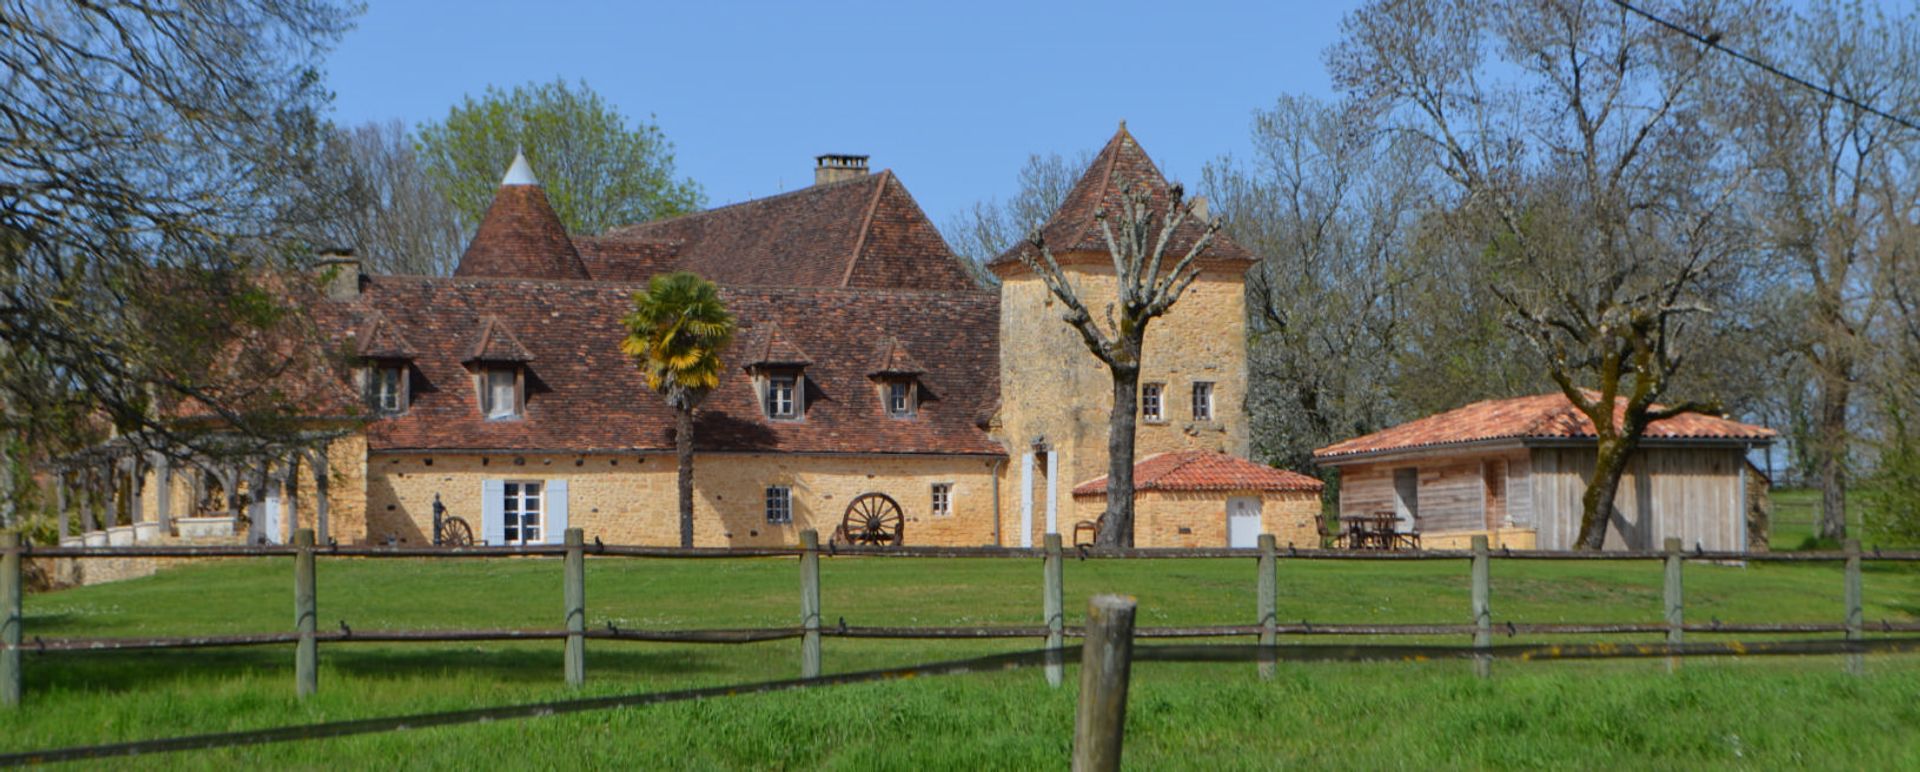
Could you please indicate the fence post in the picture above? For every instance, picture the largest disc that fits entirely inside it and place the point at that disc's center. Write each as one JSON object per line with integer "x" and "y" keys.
{"x": 1675, "y": 608}
{"x": 1106, "y": 660}
{"x": 306, "y": 617}
{"x": 576, "y": 599}
{"x": 1855, "y": 619}
{"x": 809, "y": 604}
{"x": 10, "y": 618}
{"x": 1055, "y": 611}
{"x": 1482, "y": 615}
{"x": 1269, "y": 617}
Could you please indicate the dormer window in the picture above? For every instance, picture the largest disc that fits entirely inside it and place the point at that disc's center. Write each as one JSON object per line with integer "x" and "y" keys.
{"x": 902, "y": 397}
{"x": 500, "y": 393}
{"x": 387, "y": 388}
{"x": 783, "y": 396}
{"x": 898, "y": 376}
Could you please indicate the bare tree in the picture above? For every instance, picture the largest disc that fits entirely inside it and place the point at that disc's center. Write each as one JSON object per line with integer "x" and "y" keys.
{"x": 1831, "y": 183}
{"x": 1147, "y": 286}
{"x": 1586, "y": 149}
{"x": 991, "y": 226}
{"x": 396, "y": 220}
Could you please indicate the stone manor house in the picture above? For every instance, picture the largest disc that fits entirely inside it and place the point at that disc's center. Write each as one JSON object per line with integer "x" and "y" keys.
{"x": 868, "y": 360}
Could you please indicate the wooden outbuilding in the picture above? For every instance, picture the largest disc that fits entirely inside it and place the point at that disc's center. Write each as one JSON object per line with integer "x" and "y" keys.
{"x": 1515, "y": 470}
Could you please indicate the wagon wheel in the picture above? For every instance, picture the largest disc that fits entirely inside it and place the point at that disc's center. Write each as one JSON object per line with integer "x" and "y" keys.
{"x": 454, "y": 532}
{"x": 873, "y": 518}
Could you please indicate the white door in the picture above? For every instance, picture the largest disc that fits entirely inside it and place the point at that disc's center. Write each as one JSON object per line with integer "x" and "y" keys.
{"x": 269, "y": 531}
{"x": 1243, "y": 522}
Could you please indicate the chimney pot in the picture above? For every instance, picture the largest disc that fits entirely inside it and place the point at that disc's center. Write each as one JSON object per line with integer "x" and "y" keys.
{"x": 834, "y": 167}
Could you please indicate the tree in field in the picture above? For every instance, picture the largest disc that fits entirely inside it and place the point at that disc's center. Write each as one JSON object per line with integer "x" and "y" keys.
{"x": 1147, "y": 284}
{"x": 396, "y": 220}
{"x": 160, "y": 170}
{"x": 1580, "y": 146}
{"x": 1832, "y": 185}
{"x": 599, "y": 168}
{"x": 675, "y": 333}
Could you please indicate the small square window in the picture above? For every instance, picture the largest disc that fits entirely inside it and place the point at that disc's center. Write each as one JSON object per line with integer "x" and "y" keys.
{"x": 1202, "y": 401}
{"x": 782, "y": 401}
{"x": 900, "y": 399}
{"x": 942, "y": 499}
{"x": 1150, "y": 402}
{"x": 779, "y": 505}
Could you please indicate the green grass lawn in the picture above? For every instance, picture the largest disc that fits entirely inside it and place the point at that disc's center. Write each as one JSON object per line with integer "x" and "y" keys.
{"x": 1780, "y": 712}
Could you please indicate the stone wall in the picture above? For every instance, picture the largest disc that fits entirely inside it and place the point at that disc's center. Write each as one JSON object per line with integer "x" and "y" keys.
{"x": 632, "y": 498}
{"x": 1199, "y": 518}
{"x": 1054, "y": 391}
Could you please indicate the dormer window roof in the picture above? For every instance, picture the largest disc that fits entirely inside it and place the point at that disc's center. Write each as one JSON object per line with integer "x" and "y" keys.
{"x": 768, "y": 346}
{"x": 494, "y": 343}
{"x": 381, "y": 339}
{"x": 893, "y": 360}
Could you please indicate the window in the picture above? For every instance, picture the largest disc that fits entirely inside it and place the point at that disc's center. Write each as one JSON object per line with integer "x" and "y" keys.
{"x": 779, "y": 504}
{"x": 1150, "y": 402}
{"x": 500, "y": 393}
{"x": 520, "y": 513}
{"x": 389, "y": 390}
{"x": 900, "y": 399}
{"x": 1202, "y": 401}
{"x": 782, "y": 396}
{"x": 942, "y": 499}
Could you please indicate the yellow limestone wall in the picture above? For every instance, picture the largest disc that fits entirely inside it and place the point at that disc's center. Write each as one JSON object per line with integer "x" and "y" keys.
{"x": 1160, "y": 517}
{"x": 632, "y": 499}
{"x": 1053, "y": 390}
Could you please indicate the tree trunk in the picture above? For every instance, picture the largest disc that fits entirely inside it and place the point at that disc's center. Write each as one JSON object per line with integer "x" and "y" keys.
{"x": 1596, "y": 505}
{"x": 683, "y": 443}
{"x": 1118, "y": 528}
{"x": 1835, "y": 393}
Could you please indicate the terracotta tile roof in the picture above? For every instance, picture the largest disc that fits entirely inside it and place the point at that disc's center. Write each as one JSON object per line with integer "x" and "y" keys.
{"x": 765, "y": 344}
{"x": 863, "y": 232}
{"x": 894, "y": 359}
{"x": 521, "y": 237}
{"x": 584, "y": 395}
{"x": 1538, "y": 417}
{"x": 380, "y": 339}
{"x": 1203, "y": 470}
{"x": 1074, "y": 227}
{"x": 493, "y": 342}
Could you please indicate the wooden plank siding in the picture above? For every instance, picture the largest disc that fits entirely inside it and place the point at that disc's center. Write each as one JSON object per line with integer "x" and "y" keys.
{"x": 1691, "y": 493}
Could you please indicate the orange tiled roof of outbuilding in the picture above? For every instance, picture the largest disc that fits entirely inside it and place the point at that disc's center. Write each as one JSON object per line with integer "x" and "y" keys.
{"x": 1539, "y": 417}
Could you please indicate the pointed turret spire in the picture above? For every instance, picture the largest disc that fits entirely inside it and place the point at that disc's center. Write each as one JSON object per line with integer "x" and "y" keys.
{"x": 520, "y": 237}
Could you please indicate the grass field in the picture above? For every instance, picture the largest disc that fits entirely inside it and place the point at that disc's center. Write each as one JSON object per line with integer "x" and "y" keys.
{"x": 1782, "y": 712}
{"x": 1796, "y": 512}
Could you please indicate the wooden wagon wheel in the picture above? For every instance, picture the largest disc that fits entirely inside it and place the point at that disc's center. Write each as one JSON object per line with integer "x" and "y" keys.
{"x": 873, "y": 518}
{"x": 454, "y": 532}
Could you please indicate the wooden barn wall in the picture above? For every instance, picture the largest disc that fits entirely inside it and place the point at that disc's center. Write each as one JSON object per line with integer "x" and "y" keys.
{"x": 1452, "y": 490}
{"x": 1694, "y": 494}
{"x": 1365, "y": 490}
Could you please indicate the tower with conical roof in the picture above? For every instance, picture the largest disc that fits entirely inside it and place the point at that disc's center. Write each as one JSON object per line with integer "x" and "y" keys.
{"x": 1055, "y": 396}
{"x": 520, "y": 237}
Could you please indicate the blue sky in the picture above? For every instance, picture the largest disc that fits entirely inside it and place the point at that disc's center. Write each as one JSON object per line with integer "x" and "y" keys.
{"x": 951, "y": 96}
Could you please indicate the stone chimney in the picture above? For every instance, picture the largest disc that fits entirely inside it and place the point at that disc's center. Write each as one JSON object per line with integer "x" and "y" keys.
{"x": 1198, "y": 205}
{"x": 834, "y": 167}
{"x": 342, "y": 272}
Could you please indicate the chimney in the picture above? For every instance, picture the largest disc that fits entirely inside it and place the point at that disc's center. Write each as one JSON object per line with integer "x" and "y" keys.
{"x": 342, "y": 272}
{"x": 1198, "y": 205}
{"x": 834, "y": 167}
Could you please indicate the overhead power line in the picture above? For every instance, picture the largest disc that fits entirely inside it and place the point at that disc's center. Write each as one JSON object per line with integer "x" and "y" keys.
{"x": 1713, "y": 42}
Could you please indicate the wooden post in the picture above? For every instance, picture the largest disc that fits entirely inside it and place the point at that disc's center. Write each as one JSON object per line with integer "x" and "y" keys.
{"x": 10, "y": 618}
{"x": 306, "y": 617}
{"x": 1055, "y": 611}
{"x": 576, "y": 597}
{"x": 1482, "y": 614}
{"x": 1268, "y": 591}
{"x": 1675, "y": 614}
{"x": 1855, "y": 618}
{"x": 1106, "y": 662}
{"x": 809, "y": 604}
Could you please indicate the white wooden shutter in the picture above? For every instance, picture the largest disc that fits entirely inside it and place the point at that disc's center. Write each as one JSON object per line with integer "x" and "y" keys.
{"x": 556, "y": 511}
{"x": 492, "y": 524}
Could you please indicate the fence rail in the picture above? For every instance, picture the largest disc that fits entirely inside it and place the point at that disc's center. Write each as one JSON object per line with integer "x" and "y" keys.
{"x": 812, "y": 627}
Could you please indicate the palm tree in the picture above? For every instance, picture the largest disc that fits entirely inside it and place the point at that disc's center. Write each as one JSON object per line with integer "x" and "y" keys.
{"x": 675, "y": 334}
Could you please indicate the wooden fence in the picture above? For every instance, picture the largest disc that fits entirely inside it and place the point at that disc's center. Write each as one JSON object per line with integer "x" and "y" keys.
{"x": 306, "y": 635}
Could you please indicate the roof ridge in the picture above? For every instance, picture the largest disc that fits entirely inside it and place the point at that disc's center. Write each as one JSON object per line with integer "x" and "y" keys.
{"x": 866, "y": 224}
{"x": 612, "y": 232}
